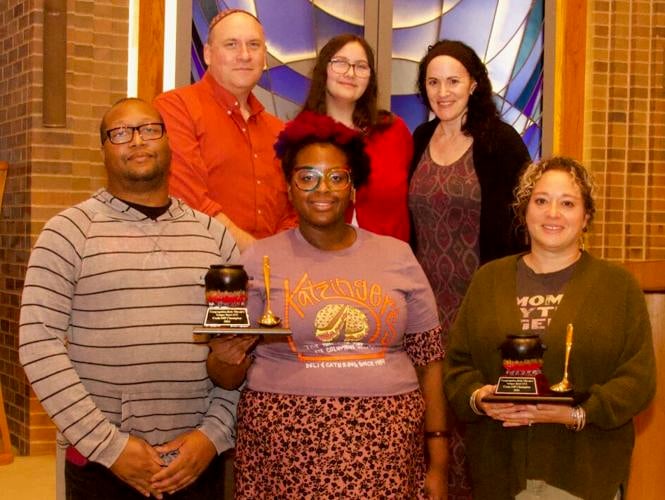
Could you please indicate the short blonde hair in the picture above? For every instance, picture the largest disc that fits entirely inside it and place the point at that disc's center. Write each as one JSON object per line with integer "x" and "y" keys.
{"x": 532, "y": 174}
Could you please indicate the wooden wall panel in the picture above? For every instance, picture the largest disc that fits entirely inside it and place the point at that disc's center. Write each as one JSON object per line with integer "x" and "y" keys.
{"x": 151, "y": 49}
{"x": 569, "y": 87}
{"x": 648, "y": 462}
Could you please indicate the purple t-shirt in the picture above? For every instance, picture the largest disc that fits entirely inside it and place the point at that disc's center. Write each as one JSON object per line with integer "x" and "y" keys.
{"x": 348, "y": 310}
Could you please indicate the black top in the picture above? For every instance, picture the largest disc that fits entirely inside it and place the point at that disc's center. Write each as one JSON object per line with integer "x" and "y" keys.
{"x": 498, "y": 159}
{"x": 151, "y": 212}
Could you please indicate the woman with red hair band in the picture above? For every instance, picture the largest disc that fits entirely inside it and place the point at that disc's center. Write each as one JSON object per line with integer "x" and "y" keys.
{"x": 351, "y": 403}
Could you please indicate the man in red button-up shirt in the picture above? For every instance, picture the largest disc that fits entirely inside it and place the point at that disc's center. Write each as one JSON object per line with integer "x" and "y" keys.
{"x": 221, "y": 137}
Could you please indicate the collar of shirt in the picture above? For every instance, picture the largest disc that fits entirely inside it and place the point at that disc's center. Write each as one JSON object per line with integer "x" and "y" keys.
{"x": 227, "y": 100}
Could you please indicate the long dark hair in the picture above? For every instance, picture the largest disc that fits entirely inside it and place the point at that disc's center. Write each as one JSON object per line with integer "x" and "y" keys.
{"x": 365, "y": 114}
{"x": 482, "y": 110}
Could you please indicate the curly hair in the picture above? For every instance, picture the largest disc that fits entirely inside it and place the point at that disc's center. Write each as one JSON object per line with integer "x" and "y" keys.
{"x": 313, "y": 128}
{"x": 532, "y": 174}
{"x": 481, "y": 112}
{"x": 365, "y": 115}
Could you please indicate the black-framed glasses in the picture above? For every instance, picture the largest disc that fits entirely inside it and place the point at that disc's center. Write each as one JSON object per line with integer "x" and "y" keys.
{"x": 147, "y": 131}
{"x": 361, "y": 69}
{"x": 309, "y": 178}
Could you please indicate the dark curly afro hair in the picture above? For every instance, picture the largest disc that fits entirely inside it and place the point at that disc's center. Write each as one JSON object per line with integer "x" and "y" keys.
{"x": 314, "y": 128}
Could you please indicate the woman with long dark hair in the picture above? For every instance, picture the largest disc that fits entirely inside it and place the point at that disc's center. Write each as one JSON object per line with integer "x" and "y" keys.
{"x": 344, "y": 87}
{"x": 464, "y": 169}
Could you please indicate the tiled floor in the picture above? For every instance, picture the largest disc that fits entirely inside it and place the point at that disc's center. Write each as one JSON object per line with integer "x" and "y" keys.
{"x": 28, "y": 478}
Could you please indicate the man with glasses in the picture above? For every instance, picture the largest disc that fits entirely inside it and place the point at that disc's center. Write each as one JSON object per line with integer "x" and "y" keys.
{"x": 113, "y": 289}
{"x": 221, "y": 136}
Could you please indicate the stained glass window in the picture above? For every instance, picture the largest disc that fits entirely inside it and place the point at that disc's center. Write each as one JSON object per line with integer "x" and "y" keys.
{"x": 506, "y": 34}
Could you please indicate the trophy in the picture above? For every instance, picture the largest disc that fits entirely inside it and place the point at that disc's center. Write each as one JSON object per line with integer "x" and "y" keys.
{"x": 226, "y": 295}
{"x": 523, "y": 379}
{"x": 565, "y": 386}
{"x": 268, "y": 319}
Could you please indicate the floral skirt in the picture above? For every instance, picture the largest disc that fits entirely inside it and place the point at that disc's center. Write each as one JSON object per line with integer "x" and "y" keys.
{"x": 329, "y": 447}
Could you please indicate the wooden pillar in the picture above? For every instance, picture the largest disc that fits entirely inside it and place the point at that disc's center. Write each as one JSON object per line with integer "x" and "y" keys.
{"x": 151, "y": 48}
{"x": 569, "y": 76}
{"x": 379, "y": 34}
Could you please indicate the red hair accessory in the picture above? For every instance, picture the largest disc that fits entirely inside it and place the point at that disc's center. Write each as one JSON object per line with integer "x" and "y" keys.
{"x": 310, "y": 126}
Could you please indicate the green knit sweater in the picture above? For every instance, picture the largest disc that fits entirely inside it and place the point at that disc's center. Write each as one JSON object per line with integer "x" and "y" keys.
{"x": 612, "y": 360}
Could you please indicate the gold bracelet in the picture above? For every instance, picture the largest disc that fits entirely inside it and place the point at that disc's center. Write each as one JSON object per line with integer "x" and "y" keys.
{"x": 437, "y": 434}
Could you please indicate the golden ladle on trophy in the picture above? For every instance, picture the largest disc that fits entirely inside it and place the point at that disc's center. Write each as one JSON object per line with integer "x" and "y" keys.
{"x": 268, "y": 319}
{"x": 565, "y": 385}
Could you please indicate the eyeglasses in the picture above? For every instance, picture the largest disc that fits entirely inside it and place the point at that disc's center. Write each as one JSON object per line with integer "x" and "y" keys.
{"x": 147, "y": 131}
{"x": 309, "y": 178}
{"x": 341, "y": 66}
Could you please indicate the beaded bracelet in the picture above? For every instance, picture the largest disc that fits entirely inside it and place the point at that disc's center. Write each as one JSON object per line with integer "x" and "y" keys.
{"x": 437, "y": 434}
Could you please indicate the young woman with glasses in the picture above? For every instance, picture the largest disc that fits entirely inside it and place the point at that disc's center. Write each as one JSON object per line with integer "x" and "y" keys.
{"x": 350, "y": 403}
{"x": 344, "y": 87}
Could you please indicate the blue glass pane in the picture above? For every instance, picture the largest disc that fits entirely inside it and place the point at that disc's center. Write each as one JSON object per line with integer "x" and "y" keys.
{"x": 351, "y": 11}
{"x": 529, "y": 101}
{"x": 526, "y": 79}
{"x": 470, "y": 21}
{"x": 411, "y": 43}
{"x": 200, "y": 19}
{"x": 198, "y": 66}
{"x": 285, "y": 82}
{"x": 509, "y": 20}
{"x": 410, "y": 108}
{"x": 410, "y": 13}
{"x": 524, "y": 74}
{"x": 500, "y": 67}
{"x": 507, "y": 35}
{"x": 247, "y": 5}
{"x": 532, "y": 138}
{"x": 328, "y": 26}
{"x": 278, "y": 22}
{"x": 532, "y": 35}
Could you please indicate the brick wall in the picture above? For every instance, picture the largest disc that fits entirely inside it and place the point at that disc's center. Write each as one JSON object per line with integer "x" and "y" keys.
{"x": 50, "y": 168}
{"x": 625, "y": 126}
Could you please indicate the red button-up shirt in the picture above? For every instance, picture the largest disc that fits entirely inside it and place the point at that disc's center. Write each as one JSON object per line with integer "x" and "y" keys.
{"x": 222, "y": 163}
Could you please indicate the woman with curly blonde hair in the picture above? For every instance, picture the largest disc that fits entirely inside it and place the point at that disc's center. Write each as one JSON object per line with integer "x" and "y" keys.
{"x": 544, "y": 450}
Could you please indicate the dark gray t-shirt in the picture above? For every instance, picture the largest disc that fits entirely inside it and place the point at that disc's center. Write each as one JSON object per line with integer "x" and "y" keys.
{"x": 539, "y": 295}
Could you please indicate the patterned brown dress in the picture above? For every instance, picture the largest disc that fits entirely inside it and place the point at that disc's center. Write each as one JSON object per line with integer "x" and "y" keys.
{"x": 292, "y": 446}
{"x": 445, "y": 205}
